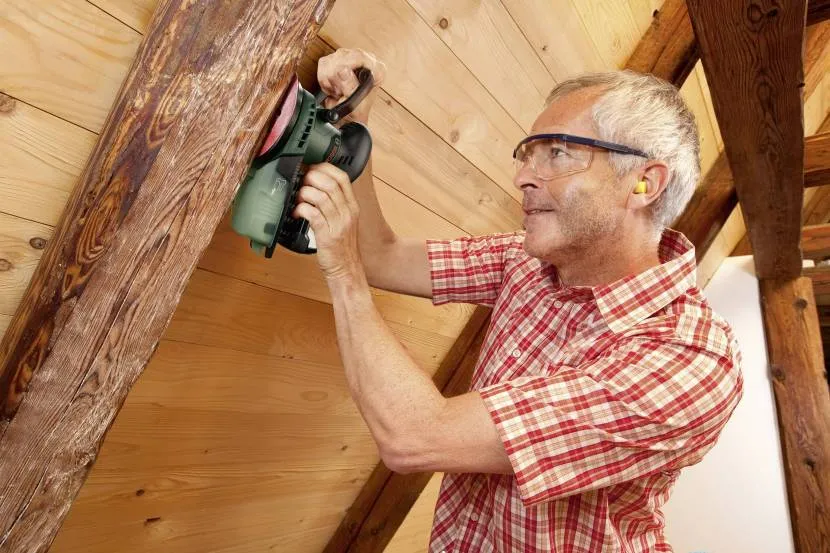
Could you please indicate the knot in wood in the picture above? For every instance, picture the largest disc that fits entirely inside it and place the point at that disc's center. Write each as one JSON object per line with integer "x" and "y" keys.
{"x": 777, "y": 373}
{"x": 444, "y": 23}
{"x": 810, "y": 462}
{"x": 800, "y": 303}
{"x": 454, "y": 136}
{"x": 37, "y": 243}
{"x": 5, "y": 265}
{"x": 7, "y": 103}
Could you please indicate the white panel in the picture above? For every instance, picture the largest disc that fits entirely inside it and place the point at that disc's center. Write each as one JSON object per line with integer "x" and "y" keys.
{"x": 735, "y": 500}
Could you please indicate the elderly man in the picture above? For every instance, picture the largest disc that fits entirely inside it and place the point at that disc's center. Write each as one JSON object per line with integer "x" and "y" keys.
{"x": 604, "y": 370}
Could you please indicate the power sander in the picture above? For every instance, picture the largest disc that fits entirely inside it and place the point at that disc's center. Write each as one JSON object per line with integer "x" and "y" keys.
{"x": 302, "y": 133}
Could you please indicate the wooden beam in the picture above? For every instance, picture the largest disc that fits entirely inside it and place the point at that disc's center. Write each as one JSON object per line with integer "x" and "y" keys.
{"x": 669, "y": 47}
{"x": 175, "y": 147}
{"x": 818, "y": 11}
{"x": 816, "y": 208}
{"x": 715, "y": 199}
{"x": 817, "y": 160}
{"x": 386, "y": 498}
{"x": 752, "y": 56}
{"x": 820, "y": 277}
{"x": 815, "y": 242}
{"x": 802, "y": 405}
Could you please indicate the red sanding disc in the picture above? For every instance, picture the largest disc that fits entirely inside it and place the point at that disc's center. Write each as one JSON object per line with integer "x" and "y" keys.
{"x": 286, "y": 108}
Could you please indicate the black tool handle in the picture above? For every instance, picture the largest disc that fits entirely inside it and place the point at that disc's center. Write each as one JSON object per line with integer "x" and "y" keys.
{"x": 341, "y": 110}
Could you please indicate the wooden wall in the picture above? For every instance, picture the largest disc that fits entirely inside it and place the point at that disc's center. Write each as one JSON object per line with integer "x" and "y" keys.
{"x": 241, "y": 435}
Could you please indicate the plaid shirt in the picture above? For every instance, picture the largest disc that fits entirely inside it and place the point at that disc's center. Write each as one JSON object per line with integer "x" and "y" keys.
{"x": 600, "y": 395}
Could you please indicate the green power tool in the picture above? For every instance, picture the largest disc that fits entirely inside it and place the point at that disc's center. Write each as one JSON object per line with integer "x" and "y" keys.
{"x": 302, "y": 133}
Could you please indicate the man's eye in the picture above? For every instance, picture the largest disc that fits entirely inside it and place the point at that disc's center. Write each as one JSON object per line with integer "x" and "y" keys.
{"x": 556, "y": 152}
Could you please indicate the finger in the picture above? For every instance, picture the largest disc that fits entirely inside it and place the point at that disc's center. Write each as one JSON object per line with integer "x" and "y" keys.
{"x": 313, "y": 196}
{"x": 314, "y": 217}
{"x": 331, "y": 180}
{"x": 346, "y": 186}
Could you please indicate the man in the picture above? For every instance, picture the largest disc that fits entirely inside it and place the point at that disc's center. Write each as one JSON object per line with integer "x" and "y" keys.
{"x": 604, "y": 370}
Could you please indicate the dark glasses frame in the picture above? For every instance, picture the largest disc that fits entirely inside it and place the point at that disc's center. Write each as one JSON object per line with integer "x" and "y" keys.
{"x": 610, "y": 146}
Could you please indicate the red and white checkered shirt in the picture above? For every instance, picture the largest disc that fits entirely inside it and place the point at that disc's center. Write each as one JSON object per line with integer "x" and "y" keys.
{"x": 600, "y": 395}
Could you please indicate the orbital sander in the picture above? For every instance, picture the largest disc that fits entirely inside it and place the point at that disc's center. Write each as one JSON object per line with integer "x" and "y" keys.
{"x": 303, "y": 133}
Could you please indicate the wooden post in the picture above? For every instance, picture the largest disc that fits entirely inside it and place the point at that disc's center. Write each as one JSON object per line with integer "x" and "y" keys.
{"x": 803, "y": 406}
{"x": 168, "y": 162}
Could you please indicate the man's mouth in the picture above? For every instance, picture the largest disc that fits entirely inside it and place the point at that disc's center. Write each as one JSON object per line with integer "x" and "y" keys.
{"x": 535, "y": 211}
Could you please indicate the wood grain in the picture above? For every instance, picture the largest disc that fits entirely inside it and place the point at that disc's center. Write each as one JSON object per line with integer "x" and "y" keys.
{"x": 21, "y": 246}
{"x": 668, "y": 49}
{"x": 818, "y": 11}
{"x": 431, "y": 82}
{"x": 41, "y": 157}
{"x": 756, "y": 91}
{"x": 815, "y": 242}
{"x": 486, "y": 39}
{"x": 566, "y": 52}
{"x": 802, "y": 404}
{"x": 223, "y": 450}
{"x": 817, "y": 160}
{"x": 175, "y": 146}
{"x": 76, "y": 45}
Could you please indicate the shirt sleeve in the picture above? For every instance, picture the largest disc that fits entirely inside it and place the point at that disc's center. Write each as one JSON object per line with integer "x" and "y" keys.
{"x": 470, "y": 269}
{"x": 642, "y": 408}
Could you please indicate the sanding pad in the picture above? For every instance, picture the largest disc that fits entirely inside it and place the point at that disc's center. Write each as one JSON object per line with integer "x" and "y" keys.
{"x": 287, "y": 110}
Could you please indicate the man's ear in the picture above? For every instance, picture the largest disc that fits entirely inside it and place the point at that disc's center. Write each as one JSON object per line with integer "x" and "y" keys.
{"x": 650, "y": 182}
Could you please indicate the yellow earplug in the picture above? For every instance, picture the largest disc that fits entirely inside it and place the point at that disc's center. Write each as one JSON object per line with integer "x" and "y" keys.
{"x": 640, "y": 188}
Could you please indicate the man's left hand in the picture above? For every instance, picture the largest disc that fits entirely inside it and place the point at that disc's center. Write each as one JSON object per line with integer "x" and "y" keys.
{"x": 327, "y": 201}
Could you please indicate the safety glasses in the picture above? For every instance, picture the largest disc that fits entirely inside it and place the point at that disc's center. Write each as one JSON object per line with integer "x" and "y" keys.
{"x": 557, "y": 155}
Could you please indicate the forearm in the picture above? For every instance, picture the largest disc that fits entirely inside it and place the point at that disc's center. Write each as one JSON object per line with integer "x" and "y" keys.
{"x": 397, "y": 399}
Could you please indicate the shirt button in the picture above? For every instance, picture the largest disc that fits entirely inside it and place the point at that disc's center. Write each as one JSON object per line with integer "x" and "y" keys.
{"x": 516, "y": 353}
{"x": 474, "y": 516}
{"x": 557, "y": 304}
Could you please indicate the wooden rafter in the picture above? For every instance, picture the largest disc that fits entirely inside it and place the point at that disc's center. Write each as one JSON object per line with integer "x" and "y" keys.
{"x": 815, "y": 242}
{"x": 756, "y": 93}
{"x": 167, "y": 164}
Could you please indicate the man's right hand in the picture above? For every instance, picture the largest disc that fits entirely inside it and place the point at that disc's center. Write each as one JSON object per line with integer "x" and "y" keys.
{"x": 335, "y": 73}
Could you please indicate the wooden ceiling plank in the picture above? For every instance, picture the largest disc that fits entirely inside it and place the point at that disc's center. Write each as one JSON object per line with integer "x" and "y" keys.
{"x": 756, "y": 91}
{"x": 177, "y": 142}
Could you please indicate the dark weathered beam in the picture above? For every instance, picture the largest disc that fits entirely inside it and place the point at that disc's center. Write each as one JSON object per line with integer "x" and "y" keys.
{"x": 802, "y": 406}
{"x": 386, "y": 498}
{"x": 173, "y": 151}
{"x": 818, "y": 11}
{"x": 669, "y": 47}
{"x": 715, "y": 198}
{"x": 816, "y": 210}
{"x": 817, "y": 160}
{"x": 752, "y": 56}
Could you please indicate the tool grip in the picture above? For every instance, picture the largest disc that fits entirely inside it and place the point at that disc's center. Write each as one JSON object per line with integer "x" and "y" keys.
{"x": 341, "y": 110}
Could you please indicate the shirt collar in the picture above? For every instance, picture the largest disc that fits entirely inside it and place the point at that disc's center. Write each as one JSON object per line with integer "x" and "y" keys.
{"x": 631, "y": 299}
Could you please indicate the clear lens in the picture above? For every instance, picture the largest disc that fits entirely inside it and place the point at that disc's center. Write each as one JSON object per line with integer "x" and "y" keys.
{"x": 551, "y": 158}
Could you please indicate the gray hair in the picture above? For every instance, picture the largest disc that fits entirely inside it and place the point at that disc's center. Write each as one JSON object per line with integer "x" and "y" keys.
{"x": 646, "y": 113}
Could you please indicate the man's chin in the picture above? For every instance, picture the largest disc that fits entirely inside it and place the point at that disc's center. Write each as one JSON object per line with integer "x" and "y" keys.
{"x": 538, "y": 246}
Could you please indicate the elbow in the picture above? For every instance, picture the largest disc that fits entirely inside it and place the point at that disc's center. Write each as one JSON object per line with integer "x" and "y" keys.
{"x": 406, "y": 455}
{"x": 404, "y": 461}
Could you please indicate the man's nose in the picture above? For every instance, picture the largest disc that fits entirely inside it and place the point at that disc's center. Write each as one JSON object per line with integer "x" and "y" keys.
{"x": 525, "y": 178}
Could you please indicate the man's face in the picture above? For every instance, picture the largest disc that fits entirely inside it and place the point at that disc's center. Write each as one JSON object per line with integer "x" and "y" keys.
{"x": 576, "y": 211}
